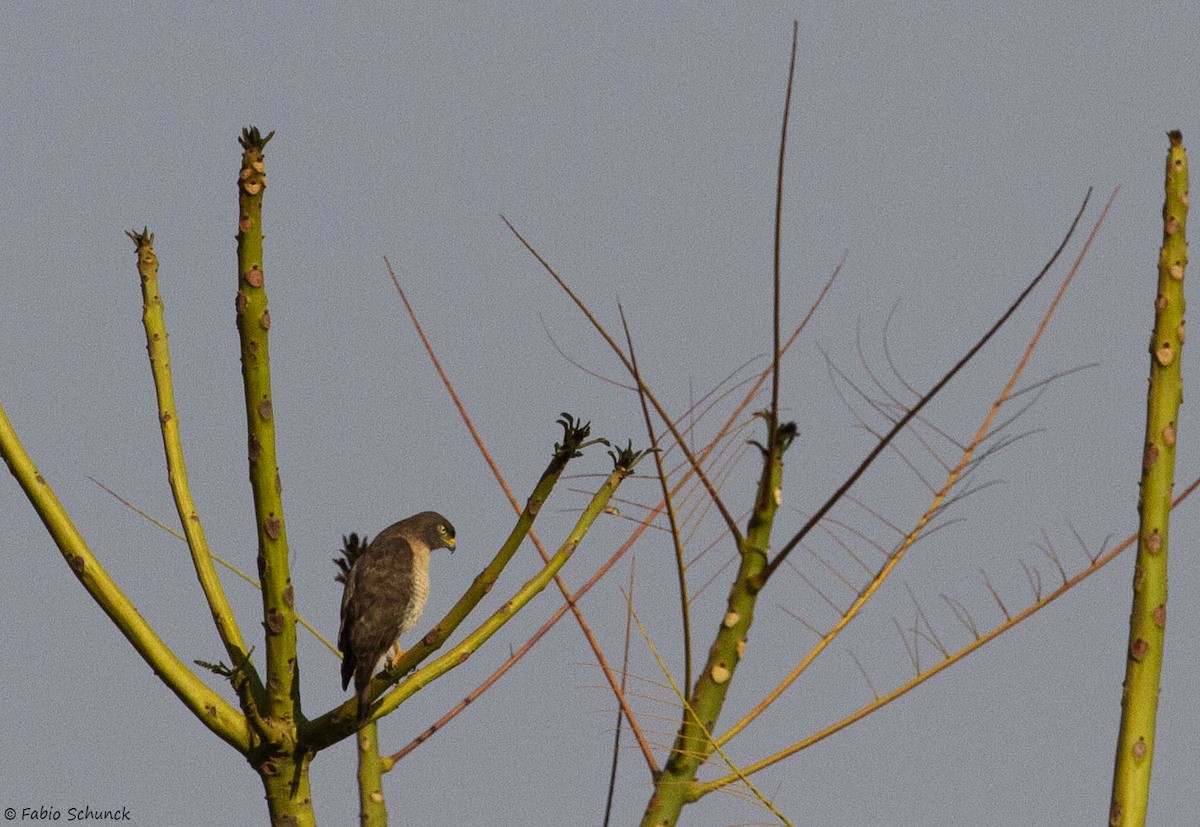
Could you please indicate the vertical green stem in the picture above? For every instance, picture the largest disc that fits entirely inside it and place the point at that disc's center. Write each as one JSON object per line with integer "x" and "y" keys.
{"x": 1147, "y": 621}
{"x": 372, "y": 806}
{"x": 289, "y": 796}
{"x": 281, "y": 763}
{"x": 253, "y": 324}
{"x": 693, "y": 744}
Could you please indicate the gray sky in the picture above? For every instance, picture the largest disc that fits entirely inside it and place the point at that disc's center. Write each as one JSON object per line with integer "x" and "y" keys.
{"x": 944, "y": 147}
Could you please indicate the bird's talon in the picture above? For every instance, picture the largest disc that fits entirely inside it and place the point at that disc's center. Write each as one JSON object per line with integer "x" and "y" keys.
{"x": 397, "y": 654}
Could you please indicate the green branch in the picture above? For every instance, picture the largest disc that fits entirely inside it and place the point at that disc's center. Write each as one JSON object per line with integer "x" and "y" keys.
{"x": 168, "y": 418}
{"x": 693, "y": 742}
{"x": 459, "y": 653}
{"x": 340, "y": 722}
{"x": 253, "y": 324}
{"x": 1148, "y": 617}
{"x": 372, "y": 806}
{"x": 212, "y": 710}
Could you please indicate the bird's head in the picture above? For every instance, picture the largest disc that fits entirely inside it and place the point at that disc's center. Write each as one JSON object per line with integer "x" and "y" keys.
{"x": 435, "y": 530}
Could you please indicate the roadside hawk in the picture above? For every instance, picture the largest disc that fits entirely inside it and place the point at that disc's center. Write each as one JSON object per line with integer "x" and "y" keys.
{"x": 386, "y": 588}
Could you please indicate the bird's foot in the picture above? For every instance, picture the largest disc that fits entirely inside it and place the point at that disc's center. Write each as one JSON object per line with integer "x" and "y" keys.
{"x": 397, "y": 654}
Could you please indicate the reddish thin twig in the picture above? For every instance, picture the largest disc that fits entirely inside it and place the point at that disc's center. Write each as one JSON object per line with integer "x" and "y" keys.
{"x": 562, "y": 586}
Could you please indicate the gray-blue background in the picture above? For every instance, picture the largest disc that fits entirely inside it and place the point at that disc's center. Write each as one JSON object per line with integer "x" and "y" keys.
{"x": 944, "y": 146}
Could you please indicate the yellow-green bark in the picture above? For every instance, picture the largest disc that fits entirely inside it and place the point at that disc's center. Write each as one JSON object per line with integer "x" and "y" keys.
{"x": 372, "y": 806}
{"x": 212, "y": 710}
{"x": 1147, "y": 621}
{"x": 337, "y": 724}
{"x": 158, "y": 349}
{"x": 277, "y": 755}
{"x": 289, "y": 796}
{"x": 270, "y": 730}
{"x": 254, "y": 324}
{"x": 674, "y": 785}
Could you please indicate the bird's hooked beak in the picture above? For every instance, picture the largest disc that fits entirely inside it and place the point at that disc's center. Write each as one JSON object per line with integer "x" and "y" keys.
{"x": 451, "y": 543}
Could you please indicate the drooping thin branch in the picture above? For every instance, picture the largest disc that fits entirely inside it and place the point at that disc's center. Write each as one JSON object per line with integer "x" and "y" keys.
{"x": 577, "y": 365}
{"x": 808, "y": 581}
{"x": 996, "y": 596}
{"x": 922, "y": 620}
{"x": 952, "y": 478}
{"x": 699, "y": 410}
{"x": 862, "y": 671}
{"x": 616, "y": 750}
{"x": 725, "y": 461}
{"x": 902, "y": 423}
{"x": 962, "y": 613}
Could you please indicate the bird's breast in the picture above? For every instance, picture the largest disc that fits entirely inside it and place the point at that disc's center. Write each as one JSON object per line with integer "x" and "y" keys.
{"x": 420, "y": 594}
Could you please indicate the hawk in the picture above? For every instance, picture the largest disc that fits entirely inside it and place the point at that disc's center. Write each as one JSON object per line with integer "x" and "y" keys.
{"x": 387, "y": 585}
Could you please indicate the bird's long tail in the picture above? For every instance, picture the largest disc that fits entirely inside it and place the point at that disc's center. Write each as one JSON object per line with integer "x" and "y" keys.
{"x": 364, "y": 706}
{"x": 362, "y": 683}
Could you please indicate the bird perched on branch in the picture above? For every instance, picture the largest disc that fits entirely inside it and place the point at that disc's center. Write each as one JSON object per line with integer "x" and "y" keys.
{"x": 387, "y": 584}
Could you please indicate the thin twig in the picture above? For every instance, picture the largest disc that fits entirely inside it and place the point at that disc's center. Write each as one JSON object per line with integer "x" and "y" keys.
{"x": 479, "y": 443}
{"x": 895, "y": 558}
{"x": 695, "y": 463}
{"x": 676, "y": 540}
{"x": 772, "y": 436}
{"x": 220, "y": 560}
{"x": 928, "y": 397}
{"x": 1009, "y": 622}
{"x": 612, "y": 777}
